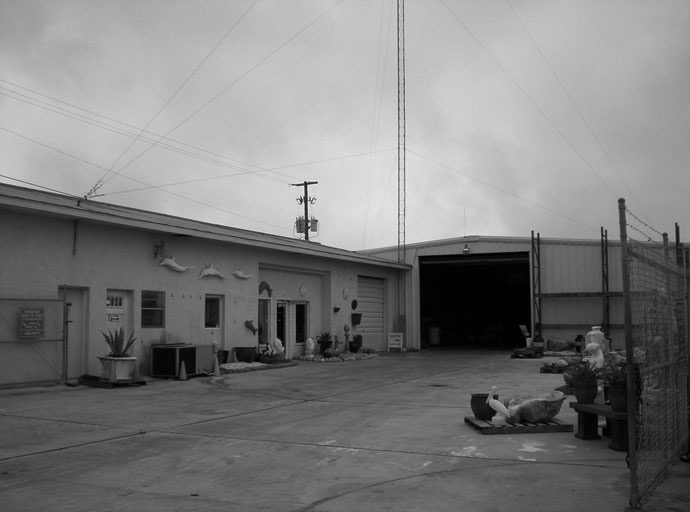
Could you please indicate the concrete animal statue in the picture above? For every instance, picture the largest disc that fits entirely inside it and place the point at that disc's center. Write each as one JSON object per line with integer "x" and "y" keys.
{"x": 240, "y": 275}
{"x": 173, "y": 265}
{"x": 210, "y": 271}
{"x": 501, "y": 410}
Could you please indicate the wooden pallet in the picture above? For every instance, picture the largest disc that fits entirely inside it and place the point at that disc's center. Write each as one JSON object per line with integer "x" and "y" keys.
{"x": 486, "y": 427}
{"x": 521, "y": 353}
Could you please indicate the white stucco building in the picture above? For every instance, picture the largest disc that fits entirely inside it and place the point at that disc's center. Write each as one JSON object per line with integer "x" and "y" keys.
{"x": 171, "y": 280}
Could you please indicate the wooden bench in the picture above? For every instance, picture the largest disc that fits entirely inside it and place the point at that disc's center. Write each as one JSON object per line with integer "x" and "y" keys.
{"x": 588, "y": 424}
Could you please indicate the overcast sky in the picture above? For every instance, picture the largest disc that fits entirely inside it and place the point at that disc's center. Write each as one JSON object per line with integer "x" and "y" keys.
{"x": 521, "y": 115}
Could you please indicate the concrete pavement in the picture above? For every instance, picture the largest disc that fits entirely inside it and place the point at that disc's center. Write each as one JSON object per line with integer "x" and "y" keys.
{"x": 379, "y": 434}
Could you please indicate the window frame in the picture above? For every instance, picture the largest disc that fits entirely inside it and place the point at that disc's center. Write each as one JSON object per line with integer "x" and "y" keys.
{"x": 146, "y": 309}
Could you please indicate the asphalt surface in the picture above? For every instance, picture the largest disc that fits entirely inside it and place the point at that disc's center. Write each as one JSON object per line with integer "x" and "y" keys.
{"x": 386, "y": 433}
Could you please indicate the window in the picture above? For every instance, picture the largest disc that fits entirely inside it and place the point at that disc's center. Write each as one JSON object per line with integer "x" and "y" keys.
{"x": 212, "y": 312}
{"x": 113, "y": 301}
{"x": 152, "y": 309}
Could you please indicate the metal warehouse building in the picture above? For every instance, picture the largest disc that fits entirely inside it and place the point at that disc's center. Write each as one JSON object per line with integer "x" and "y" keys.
{"x": 475, "y": 291}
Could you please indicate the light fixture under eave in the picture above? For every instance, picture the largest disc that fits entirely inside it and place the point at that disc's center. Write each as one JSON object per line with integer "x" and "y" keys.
{"x": 466, "y": 249}
{"x": 161, "y": 249}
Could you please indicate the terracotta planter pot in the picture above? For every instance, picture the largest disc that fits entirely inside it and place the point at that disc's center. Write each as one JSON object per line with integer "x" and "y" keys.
{"x": 585, "y": 391}
{"x": 480, "y": 408}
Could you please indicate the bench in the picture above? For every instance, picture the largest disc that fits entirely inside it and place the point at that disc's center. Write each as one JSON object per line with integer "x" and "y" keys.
{"x": 588, "y": 424}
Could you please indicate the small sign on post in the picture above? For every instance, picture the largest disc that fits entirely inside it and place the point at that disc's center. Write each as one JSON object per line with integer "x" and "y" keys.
{"x": 395, "y": 341}
{"x": 31, "y": 323}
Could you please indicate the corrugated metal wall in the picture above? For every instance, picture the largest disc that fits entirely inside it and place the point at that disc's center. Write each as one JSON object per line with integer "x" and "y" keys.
{"x": 565, "y": 267}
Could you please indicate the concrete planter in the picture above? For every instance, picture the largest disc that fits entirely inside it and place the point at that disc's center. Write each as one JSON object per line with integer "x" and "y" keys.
{"x": 117, "y": 369}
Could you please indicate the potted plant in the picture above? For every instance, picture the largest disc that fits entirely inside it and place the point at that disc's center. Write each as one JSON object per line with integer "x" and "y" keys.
{"x": 325, "y": 341}
{"x": 582, "y": 376}
{"x": 118, "y": 366}
{"x": 614, "y": 375}
{"x": 356, "y": 343}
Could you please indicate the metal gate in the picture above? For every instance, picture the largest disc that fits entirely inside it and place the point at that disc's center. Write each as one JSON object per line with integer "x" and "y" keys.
{"x": 656, "y": 319}
{"x": 32, "y": 335}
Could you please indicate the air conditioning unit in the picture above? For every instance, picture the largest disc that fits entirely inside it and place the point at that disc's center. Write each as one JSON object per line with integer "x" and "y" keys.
{"x": 166, "y": 360}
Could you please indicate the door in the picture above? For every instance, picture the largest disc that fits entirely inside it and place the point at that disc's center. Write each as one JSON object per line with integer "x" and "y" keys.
{"x": 213, "y": 321}
{"x": 282, "y": 324}
{"x": 292, "y": 325}
{"x": 77, "y": 320}
{"x": 117, "y": 311}
{"x": 370, "y": 305}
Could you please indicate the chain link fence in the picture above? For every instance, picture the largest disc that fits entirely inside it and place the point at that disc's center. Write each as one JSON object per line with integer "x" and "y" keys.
{"x": 656, "y": 319}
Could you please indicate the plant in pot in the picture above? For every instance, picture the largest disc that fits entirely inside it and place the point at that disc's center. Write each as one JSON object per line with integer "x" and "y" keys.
{"x": 325, "y": 342}
{"x": 614, "y": 375}
{"x": 356, "y": 343}
{"x": 118, "y": 366}
{"x": 582, "y": 376}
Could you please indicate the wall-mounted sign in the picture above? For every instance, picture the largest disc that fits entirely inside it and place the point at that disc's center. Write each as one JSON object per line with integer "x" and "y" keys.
{"x": 112, "y": 317}
{"x": 31, "y": 323}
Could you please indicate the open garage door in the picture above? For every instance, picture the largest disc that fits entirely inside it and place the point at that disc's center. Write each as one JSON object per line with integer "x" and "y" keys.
{"x": 475, "y": 300}
{"x": 370, "y": 304}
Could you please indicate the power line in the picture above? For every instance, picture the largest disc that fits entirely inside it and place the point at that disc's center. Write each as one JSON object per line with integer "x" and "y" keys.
{"x": 377, "y": 108}
{"x": 40, "y": 186}
{"x": 100, "y": 182}
{"x": 121, "y": 131}
{"x": 572, "y": 102}
{"x": 252, "y": 172}
{"x": 530, "y": 99}
{"x": 231, "y": 84}
{"x": 502, "y": 190}
{"x": 148, "y": 186}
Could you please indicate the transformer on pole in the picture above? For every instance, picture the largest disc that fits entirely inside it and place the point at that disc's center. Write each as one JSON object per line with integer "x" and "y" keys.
{"x": 304, "y": 224}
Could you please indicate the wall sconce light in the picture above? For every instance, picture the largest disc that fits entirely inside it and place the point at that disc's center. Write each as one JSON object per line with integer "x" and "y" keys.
{"x": 161, "y": 249}
{"x": 466, "y": 249}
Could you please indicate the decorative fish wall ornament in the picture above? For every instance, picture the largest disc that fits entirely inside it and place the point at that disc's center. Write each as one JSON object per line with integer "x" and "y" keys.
{"x": 210, "y": 271}
{"x": 240, "y": 275}
{"x": 173, "y": 265}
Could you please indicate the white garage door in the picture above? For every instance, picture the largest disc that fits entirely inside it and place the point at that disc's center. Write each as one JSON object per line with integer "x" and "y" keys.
{"x": 370, "y": 304}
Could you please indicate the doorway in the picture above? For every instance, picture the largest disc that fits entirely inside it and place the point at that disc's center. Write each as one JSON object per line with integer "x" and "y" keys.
{"x": 292, "y": 325}
{"x": 476, "y": 300}
{"x": 213, "y": 321}
{"x": 75, "y": 333}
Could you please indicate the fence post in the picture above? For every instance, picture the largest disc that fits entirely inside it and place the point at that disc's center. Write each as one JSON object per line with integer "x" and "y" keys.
{"x": 630, "y": 357}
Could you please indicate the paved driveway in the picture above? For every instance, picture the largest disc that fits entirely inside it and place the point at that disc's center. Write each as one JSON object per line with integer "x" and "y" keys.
{"x": 379, "y": 434}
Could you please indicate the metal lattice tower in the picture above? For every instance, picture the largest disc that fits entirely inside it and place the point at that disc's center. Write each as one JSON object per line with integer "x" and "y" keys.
{"x": 401, "y": 131}
{"x": 401, "y": 166}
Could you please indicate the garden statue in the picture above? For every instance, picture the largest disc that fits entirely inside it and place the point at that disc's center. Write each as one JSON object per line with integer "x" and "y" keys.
{"x": 531, "y": 409}
{"x": 309, "y": 349}
{"x": 276, "y": 347}
{"x": 594, "y": 354}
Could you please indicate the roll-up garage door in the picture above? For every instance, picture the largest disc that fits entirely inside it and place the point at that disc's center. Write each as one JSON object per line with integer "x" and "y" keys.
{"x": 370, "y": 304}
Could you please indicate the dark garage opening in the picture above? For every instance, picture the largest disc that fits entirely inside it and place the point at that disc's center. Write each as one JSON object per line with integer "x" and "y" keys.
{"x": 475, "y": 300}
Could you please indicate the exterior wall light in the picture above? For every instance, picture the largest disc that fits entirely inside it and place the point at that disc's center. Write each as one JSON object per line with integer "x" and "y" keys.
{"x": 161, "y": 249}
{"x": 466, "y": 249}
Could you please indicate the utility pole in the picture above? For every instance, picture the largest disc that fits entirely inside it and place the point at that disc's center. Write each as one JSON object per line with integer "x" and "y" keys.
{"x": 306, "y": 200}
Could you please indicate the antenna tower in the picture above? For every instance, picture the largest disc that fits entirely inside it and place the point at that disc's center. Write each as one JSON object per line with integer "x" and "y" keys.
{"x": 401, "y": 164}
